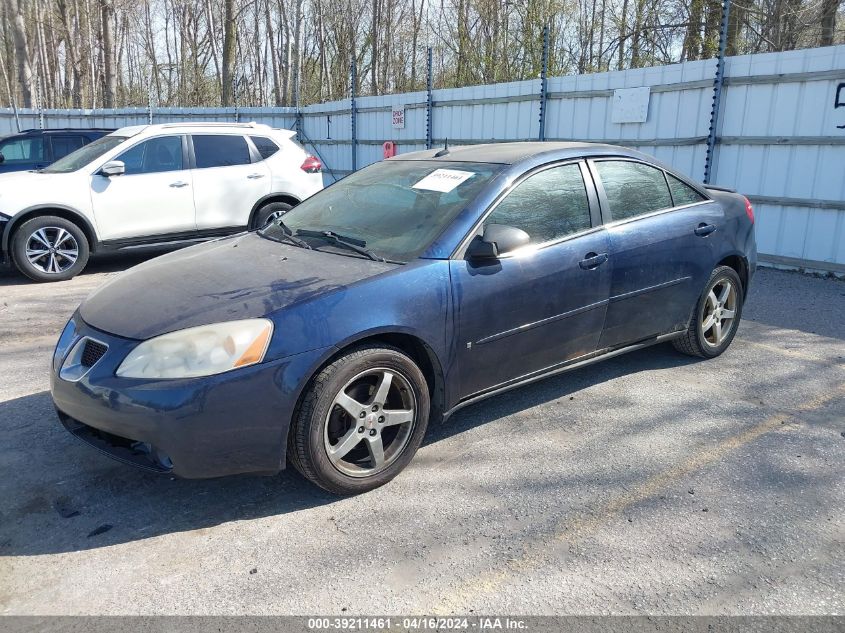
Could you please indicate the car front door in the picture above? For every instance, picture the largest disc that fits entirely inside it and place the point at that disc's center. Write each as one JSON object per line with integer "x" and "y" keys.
{"x": 63, "y": 144}
{"x": 660, "y": 247}
{"x": 227, "y": 183}
{"x": 544, "y": 304}
{"x": 152, "y": 198}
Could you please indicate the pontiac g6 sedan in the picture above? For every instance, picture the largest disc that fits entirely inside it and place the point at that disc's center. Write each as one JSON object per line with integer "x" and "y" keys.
{"x": 400, "y": 294}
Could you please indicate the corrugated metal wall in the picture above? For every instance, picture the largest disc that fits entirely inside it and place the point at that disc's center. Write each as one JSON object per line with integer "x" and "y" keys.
{"x": 781, "y": 136}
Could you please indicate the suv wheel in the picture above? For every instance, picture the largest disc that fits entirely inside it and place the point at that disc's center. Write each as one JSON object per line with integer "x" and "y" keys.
{"x": 716, "y": 316}
{"x": 361, "y": 421}
{"x": 49, "y": 248}
{"x": 269, "y": 212}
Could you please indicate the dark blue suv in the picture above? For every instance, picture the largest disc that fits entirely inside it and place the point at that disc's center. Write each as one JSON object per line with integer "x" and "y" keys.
{"x": 35, "y": 149}
{"x": 405, "y": 291}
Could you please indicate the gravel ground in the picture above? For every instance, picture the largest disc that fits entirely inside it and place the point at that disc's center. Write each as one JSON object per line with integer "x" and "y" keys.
{"x": 650, "y": 483}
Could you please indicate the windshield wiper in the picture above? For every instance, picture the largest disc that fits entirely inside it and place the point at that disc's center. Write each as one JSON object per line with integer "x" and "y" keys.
{"x": 288, "y": 234}
{"x": 359, "y": 246}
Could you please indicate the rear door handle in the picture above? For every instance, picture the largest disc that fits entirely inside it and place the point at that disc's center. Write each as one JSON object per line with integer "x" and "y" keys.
{"x": 591, "y": 260}
{"x": 178, "y": 183}
{"x": 254, "y": 176}
{"x": 703, "y": 230}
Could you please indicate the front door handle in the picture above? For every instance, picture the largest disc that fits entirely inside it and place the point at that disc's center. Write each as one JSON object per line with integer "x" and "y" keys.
{"x": 703, "y": 230}
{"x": 178, "y": 184}
{"x": 254, "y": 176}
{"x": 591, "y": 261}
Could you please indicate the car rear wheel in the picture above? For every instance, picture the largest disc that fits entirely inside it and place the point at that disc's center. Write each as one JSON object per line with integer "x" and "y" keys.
{"x": 270, "y": 212}
{"x": 50, "y": 248}
{"x": 716, "y": 316}
{"x": 361, "y": 421}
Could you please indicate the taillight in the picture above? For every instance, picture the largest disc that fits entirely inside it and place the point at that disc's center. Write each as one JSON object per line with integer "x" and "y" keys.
{"x": 312, "y": 165}
{"x": 749, "y": 210}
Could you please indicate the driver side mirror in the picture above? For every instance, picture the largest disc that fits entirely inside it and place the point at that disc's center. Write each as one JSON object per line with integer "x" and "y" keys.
{"x": 113, "y": 168}
{"x": 2, "y": 158}
{"x": 497, "y": 240}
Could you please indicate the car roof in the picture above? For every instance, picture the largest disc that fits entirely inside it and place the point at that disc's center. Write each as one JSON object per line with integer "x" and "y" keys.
{"x": 59, "y": 130}
{"x": 515, "y": 152}
{"x": 198, "y": 126}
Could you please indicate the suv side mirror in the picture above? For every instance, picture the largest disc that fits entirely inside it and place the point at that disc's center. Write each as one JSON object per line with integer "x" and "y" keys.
{"x": 113, "y": 168}
{"x": 497, "y": 240}
{"x": 2, "y": 158}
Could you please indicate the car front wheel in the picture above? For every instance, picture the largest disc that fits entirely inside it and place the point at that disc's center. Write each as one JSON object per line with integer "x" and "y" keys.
{"x": 50, "y": 248}
{"x": 361, "y": 421}
{"x": 716, "y": 316}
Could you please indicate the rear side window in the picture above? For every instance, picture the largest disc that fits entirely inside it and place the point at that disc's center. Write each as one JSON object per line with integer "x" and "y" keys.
{"x": 64, "y": 145}
{"x": 682, "y": 193}
{"x": 548, "y": 205}
{"x": 633, "y": 189}
{"x": 22, "y": 150}
{"x": 264, "y": 145}
{"x": 220, "y": 150}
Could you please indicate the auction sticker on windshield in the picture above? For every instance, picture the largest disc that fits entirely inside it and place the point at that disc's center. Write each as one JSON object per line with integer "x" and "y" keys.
{"x": 443, "y": 180}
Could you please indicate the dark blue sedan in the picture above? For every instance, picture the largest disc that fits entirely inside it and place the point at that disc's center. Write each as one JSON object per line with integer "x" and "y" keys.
{"x": 398, "y": 295}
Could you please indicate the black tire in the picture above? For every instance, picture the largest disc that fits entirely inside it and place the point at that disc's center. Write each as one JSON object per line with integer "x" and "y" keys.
{"x": 268, "y": 211}
{"x": 55, "y": 264}
{"x": 705, "y": 343}
{"x": 308, "y": 439}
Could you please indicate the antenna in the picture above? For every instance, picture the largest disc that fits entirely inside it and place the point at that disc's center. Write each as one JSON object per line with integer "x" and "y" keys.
{"x": 444, "y": 151}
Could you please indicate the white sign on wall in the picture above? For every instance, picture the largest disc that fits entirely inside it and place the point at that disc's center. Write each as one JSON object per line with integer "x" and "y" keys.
{"x": 630, "y": 105}
{"x": 399, "y": 117}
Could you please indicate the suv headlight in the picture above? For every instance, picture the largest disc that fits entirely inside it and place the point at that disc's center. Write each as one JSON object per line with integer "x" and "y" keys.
{"x": 199, "y": 351}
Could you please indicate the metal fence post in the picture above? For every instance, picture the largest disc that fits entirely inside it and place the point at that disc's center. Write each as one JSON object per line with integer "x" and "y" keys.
{"x": 15, "y": 112}
{"x": 717, "y": 93}
{"x": 429, "y": 123}
{"x": 149, "y": 104}
{"x": 40, "y": 108}
{"x": 352, "y": 115}
{"x": 544, "y": 73}
{"x": 235, "y": 99}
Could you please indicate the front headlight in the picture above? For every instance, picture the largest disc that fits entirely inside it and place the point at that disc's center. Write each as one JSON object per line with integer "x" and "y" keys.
{"x": 199, "y": 351}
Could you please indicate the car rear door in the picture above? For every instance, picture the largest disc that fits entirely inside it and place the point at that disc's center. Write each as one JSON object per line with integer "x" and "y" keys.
{"x": 660, "y": 251}
{"x": 228, "y": 180}
{"x": 544, "y": 305}
{"x": 152, "y": 198}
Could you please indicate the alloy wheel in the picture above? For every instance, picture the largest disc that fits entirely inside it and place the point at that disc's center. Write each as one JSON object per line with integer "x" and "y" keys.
{"x": 370, "y": 422}
{"x": 717, "y": 319}
{"x": 52, "y": 250}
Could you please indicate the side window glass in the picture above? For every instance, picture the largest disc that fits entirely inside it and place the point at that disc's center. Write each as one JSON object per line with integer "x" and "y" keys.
{"x": 163, "y": 153}
{"x": 220, "y": 150}
{"x": 22, "y": 150}
{"x": 264, "y": 145}
{"x": 548, "y": 205}
{"x": 633, "y": 189}
{"x": 64, "y": 145}
{"x": 682, "y": 193}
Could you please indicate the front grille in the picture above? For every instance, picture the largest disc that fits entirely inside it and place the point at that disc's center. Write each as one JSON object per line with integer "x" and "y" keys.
{"x": 92, "y": 352}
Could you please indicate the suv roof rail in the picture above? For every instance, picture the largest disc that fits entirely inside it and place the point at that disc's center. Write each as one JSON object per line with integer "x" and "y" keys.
{"x": 251, "y": 124}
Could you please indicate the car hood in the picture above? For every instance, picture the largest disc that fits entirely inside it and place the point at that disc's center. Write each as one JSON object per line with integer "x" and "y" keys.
{"x": 240, "y": 277}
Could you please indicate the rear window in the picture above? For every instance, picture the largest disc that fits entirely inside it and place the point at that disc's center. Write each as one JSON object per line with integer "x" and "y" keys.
{"x": 220, "y": 150}
{"x": 682, "y": 193}
{"x": 264, "y": 145}
{"x": 64, "y": 145}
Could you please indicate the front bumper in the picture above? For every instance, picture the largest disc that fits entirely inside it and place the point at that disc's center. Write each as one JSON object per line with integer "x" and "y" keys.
{"x": 235, "y": 422}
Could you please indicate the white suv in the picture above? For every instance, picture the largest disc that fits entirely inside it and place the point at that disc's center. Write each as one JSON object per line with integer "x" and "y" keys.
{"x": 150, "y": 185}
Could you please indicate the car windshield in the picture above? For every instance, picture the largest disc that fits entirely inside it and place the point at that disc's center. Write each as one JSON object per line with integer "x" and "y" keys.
{"x": 394, "y": 208}
{"x": 84, "y": 155}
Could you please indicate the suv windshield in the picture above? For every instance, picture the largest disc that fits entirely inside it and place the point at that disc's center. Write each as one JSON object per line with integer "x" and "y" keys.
{"x": 395, "y": 208}
{"x": 84, "y": 155}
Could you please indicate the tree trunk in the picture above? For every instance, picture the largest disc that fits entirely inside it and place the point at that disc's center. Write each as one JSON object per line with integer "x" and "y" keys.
{"x": 107, "y": 16}
{"x": 22, "y": 54}
{"x": 829, "y": 9}
{"x": 229, "y": 44}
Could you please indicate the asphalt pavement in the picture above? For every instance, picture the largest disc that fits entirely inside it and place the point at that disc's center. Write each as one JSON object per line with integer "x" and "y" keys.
{"x": 651, "y": 483}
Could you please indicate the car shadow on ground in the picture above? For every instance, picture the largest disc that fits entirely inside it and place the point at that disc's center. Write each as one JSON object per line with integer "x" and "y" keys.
{"x": 112, "y": 263}
{"x": 62, "y": 496}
